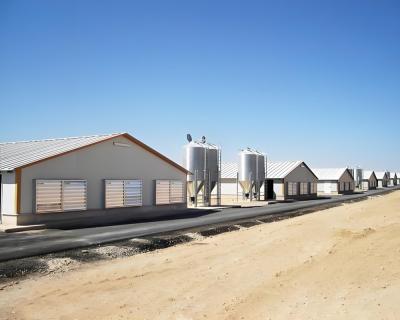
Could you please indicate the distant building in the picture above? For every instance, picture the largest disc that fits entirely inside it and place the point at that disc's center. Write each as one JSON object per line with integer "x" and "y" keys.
{"x": 334, "y": 181}
{"x": 369, "y": 180}
{"x": 383, "y": 178}
{"x": 290, "y": 180}
{"x": 392, "y": 179}
{"x": 87, "y": 181}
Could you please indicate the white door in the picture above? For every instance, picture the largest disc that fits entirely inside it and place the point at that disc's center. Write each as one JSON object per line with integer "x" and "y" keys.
{"x": 327, "y": 188}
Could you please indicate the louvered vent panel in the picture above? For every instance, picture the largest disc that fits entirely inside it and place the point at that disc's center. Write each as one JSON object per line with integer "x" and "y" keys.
{"x": 74, "y": 195}
{"x": 60, "y": 195}
{"x": 133, "y": 192}
{"x": 162, "y": 192}
{"x": 48, "y": 196}
{"x": 177, "y": 194}
{"x": 123, "y": 193}
{"x": 170, "y": 191}
{"x": 114, "y": 193}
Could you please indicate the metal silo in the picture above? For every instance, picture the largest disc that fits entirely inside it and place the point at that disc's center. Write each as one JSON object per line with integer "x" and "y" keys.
{"x": 247, "y": 170}
{"x": 359, "y": 177}
{"x": 251, "y": 172}
{"x": 357, "y": 174}
{"x": 194, "y": 161}
{"x": 260, "y": 167}
{"x": 202, "y": 159}
{"x": 212, "y": 165}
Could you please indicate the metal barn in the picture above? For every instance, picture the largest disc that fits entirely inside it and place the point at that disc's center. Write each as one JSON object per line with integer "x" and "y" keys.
{"x": 383, "y": 179}
{"x": 87, "y": 180}
{"x": 392, "y": 179}
{"x": 231, "y": 190}
{"x": 334, "y": 181}
{"x": 290, "y": 180}
{"x": 369, "y": 180}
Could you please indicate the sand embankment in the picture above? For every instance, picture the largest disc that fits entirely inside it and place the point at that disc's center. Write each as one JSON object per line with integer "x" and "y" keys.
{"x": 341, "y": 263}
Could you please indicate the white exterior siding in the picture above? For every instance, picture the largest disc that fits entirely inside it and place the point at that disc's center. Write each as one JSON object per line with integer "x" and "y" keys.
{"x": 369, "y": 184}
{"x": 97, "y": 163}
{"x": 327, "y": 187}
{"x": 279, "y": 190}
{"x": 300, "y": 174}
{"x": 8, "y": 193}
{"x": 345, "y": 184}
{"x": 229, "y": 189}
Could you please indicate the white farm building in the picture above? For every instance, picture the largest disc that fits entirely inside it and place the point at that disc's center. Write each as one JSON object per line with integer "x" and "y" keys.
{"x": 287, "y": 180}
{"x": 392, "y": 179}
{"x": 290, "y": 180}
{"x": 88, "y": 180}
{"x": 369, "y": 180}
{"x": 383, "y": 178}
{"x": 334, "y": 181}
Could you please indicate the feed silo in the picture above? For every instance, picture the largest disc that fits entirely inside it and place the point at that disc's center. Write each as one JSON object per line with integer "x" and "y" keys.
{"x": 357, "y": 174}
{"x": 251, "y": 172}
{"x": 202, "y": 160}
{"x": 358, "y": 177}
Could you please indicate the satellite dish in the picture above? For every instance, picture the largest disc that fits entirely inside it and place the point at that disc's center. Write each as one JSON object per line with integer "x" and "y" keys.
{"x": 189, "y": 137}
{"x": 203, "y": 139}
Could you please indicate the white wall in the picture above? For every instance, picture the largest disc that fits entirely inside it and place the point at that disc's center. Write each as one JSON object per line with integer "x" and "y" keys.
{"x": 8, "y": 193}
{"x": 327, "y": 187}
{"x": 333, "y": 186}
{"x": 279, "y": 190}
{"x": 99, "y": 162}
{"x": 365, "y": 185}
{"x": 228, "y": 189}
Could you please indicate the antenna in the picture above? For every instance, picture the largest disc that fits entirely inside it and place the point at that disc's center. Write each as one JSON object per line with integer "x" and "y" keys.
{"x": 189, "y": 137}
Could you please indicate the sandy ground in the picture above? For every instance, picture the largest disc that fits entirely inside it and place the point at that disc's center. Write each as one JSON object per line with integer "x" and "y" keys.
{"x": 341, "y": 263}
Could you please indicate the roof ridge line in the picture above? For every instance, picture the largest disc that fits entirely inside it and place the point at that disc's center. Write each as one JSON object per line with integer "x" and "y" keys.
{"x": 60, "y": 139}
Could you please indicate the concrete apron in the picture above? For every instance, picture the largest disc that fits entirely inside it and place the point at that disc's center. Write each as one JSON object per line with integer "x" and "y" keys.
{"x": 89, "y": 218}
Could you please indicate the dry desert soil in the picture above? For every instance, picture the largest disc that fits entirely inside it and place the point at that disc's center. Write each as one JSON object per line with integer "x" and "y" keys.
{"x": 340, "y": 263}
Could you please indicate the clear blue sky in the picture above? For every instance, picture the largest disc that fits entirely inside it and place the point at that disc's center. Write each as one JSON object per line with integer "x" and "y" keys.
{"x": 311, "y": 80}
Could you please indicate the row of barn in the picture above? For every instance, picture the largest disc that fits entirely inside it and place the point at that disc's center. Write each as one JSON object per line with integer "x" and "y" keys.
{"x": 295, "y": 180}
{"x": 102, "y": 179}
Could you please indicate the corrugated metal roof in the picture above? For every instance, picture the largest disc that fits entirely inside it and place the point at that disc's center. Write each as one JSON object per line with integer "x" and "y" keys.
{"x": 367, "y": 174}
{"x": 279, "y": 170}
{"x": 17, "y": 154}
{"x": 275, "y": 170}
{"x": 329, "y": 173}
{"x": 229, "y": 170}
{"x": 380, "y": 174}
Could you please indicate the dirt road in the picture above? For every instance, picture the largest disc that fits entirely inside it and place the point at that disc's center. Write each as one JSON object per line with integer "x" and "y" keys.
{"x": 341, "y": 263}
